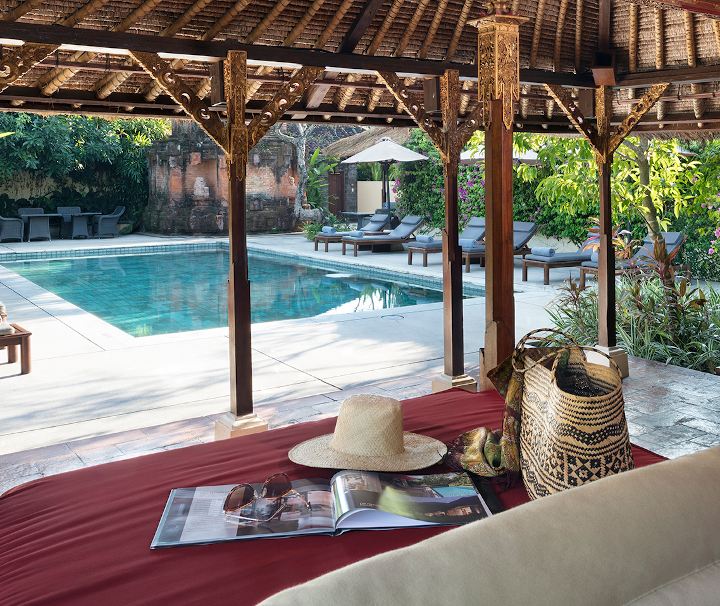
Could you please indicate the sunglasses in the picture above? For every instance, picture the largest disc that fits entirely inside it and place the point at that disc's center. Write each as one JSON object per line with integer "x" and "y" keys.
{"x": 268, "y": 504}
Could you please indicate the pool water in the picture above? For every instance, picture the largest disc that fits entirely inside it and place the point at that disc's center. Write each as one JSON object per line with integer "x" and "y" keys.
{"x": 160, "y": 293}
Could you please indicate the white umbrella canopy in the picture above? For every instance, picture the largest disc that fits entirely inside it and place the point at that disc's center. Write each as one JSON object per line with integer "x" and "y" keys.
{"x": 525, "y": 157}
{"x": 385, "y": 150}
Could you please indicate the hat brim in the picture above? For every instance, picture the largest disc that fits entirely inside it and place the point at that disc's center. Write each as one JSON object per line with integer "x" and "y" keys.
{"x": 420, "y": 452}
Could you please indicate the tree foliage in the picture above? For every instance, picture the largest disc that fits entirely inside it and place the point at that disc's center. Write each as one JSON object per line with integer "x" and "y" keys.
{"x": 104, "y": 159}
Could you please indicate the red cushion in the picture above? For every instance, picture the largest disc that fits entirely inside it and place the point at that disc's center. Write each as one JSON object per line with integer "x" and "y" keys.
{"x": 83, "y": 537}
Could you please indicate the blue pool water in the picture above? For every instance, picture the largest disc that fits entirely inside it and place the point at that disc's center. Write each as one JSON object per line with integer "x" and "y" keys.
{"x": 153, "y": 294}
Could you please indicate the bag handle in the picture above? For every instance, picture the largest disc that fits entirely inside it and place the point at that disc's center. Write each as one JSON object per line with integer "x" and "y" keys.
{"x": 520, "y": 348}
{"x": 571, "y": 344}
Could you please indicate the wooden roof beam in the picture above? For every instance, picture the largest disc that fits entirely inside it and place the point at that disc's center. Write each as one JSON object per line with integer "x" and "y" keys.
{"x": 560, "y": 28}
{"x": 705, "y": 7}
{"x": 359, "y": 28}
{"x": 579, "y": 7}
{"x": 432, "y": 31}
{"x": 203, "y": 51}
{"x": 537, "y": 32}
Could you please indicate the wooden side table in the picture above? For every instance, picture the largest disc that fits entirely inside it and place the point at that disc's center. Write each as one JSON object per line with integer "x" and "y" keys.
{"x": 20, "y": 337}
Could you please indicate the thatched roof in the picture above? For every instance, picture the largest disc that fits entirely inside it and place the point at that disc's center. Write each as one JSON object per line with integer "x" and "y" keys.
{"x": 349, "y": 146}
{"x": 559, "y": 40}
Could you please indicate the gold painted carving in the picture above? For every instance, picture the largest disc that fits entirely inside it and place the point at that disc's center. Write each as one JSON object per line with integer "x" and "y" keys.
{"x": 16, "y": 61}
{"x": 235, "y": 85}
{"x": 642, "y": 107}
{"x": 498, "y": 60}
{"x": 163, "y": 73}
{"x": 289, "y": 93}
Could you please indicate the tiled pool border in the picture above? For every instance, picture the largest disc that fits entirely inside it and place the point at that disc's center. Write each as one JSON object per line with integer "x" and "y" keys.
{"x": 366, "y": 270}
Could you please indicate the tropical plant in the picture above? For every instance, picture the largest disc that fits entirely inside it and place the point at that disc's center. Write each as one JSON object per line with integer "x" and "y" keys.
{"x": 318, "y": 168}
{"x": 622, "y": 240}
{"x": 670, "y": 323}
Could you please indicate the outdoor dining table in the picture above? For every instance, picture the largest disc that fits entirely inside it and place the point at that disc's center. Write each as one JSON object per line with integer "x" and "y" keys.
{"x": 83, "y": 537}
{"x": 80, "y": 224}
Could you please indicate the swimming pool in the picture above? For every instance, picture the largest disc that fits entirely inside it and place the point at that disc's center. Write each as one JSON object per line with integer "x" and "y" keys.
{"x": 150, "y": 294}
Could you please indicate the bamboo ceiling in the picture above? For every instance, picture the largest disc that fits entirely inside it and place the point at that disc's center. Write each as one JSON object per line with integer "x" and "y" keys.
{"x": 652, "y": 41}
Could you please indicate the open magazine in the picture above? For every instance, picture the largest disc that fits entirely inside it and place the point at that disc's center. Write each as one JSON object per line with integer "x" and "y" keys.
{"x": 349, "y": 500}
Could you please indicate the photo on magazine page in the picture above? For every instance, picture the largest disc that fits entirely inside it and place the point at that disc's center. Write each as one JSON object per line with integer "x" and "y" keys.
{"x": 195, "y": 515}
{"x": 449, "y": 498}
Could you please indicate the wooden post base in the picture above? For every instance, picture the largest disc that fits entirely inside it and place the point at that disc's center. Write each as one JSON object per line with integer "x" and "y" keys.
{"x": 230, "y": 426}
{"x": 617, "y": 355}
{"x": 444, "y": 382}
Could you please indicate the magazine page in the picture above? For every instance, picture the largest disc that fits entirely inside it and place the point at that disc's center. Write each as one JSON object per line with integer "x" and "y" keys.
{"x": 378, "y": 500}
{"x": 195, "y": 516}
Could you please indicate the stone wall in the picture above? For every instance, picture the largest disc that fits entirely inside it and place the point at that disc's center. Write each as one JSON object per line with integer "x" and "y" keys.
{"x": 189, "y": 187}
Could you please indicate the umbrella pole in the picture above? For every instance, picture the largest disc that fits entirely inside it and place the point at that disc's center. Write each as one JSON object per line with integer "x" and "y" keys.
{"x": 385, "y": 197}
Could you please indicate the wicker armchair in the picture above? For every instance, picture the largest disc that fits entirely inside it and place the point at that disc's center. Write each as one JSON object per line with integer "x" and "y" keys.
{"x": 11, "y": 229}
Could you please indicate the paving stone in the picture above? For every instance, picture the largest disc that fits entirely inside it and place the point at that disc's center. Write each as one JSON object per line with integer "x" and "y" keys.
{"x": 36, "y": 454}
{"x": 665, "y": 418}
{"x": 708, "y": 440}
{"x": 18, "y": 471}
{"x": 679, "y": 450}
{"x": 670, "y": 436}
{"x": 6, "y": 485}
{"x": 710, "y": 427}
{"x": 62, "y": 464}
{"x": 635, "y": 429}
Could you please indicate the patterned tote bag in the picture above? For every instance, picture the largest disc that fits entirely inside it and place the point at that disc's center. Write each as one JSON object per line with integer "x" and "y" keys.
{"x": 573, "y": 428}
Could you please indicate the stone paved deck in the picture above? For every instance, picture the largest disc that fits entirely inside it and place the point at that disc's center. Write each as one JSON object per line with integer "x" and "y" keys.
{"x": 671, "y": 411}
{"x": 98, "y": 395}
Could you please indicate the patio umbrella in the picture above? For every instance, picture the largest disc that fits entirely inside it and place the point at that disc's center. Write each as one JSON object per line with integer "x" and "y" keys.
{"x": 385, "y": 151}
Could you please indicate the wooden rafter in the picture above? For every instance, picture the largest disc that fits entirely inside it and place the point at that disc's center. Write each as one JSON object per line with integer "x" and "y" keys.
{"x": 162, "y": 72}
{"x": 459, "y": 27}
{"x": 633, "y": 38}
{"x": 434, "y": 25}
{"x": 691, "y": 47}
{"x": 660, "y": 50}
{"x": 106, "y": 85}
{"x": 704, "y": 7}
{"x": 262, "y": 27}
{"x": 642, "y": 107}
{"x": 56, "y": 79}
{"x": 578, "y": 34}
{"x": 562, "y": 14}
{"x": 362, "y": 24}
{"x": 22, "y": 9}
{"x": 537, "y": 32}
{"x": 228, "y": 17}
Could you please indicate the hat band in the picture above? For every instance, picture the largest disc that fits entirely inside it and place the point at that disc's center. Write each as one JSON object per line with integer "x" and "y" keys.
{"x": 367, "y": 450}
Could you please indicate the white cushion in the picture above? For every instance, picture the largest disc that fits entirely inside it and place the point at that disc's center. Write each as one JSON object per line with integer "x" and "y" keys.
{"x": 648, "y": 534}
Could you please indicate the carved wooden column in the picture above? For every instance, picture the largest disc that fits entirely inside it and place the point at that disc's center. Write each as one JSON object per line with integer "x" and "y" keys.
{"x": 241, "y": 419}
{"x": 453, "y": 140}
{"x": 607, "y": 329}
{"x": 499, "y": 88}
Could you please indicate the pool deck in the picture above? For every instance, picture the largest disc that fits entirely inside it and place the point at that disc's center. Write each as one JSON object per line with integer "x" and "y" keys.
{"x": 97, "y": 394}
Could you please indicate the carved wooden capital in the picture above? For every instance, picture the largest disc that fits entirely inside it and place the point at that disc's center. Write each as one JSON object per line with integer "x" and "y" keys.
{"x": 289, "y": 94}
{"x": 235, "y": 77}
{"x": 163, "y": 73}
{"x": 16, "y": 61}
{"x": 499, "y": 61}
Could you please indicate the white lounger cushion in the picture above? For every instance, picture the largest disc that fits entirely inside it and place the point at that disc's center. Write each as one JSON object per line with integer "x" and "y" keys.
{"x": 649, "y": 535}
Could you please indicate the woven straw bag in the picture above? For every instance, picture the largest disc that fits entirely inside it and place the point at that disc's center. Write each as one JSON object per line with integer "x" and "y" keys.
{"x": 573, "y": 428}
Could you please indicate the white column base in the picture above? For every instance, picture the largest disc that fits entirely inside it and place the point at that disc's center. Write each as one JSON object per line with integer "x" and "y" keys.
{"x": 444, "y": 382}
{"x": 230, "y": 426}
{"x": 617, "y": 355}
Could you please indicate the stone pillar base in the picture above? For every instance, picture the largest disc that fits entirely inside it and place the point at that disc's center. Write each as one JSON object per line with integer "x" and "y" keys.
{"x": 230, "y": 426}
{"x": 617, "y": 355}
{"x": 445, "y": 382}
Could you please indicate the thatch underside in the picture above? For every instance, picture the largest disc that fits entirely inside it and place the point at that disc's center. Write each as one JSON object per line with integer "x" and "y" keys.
{"x": 560, "y": 37}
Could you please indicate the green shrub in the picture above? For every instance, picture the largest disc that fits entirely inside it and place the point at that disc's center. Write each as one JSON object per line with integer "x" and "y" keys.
{"x": 675, "y": 325}
{"x": 312, "y": 228}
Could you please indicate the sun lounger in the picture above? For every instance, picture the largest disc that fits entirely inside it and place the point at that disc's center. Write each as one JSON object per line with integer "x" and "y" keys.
{"x": 547, "y": 260}
{"x": 639, "y": 261}
{"x": 523, "y": 231}
{"x": 401, "y": 234}
{"x": 377, "y": 223}
{"x": 473, "y": 232}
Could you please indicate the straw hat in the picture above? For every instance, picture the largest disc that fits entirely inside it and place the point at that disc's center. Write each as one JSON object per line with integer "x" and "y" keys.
{"x": 369, "y": 436}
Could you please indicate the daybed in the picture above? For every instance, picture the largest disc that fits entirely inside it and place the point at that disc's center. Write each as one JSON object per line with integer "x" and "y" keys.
{"x": 83, "y": 537}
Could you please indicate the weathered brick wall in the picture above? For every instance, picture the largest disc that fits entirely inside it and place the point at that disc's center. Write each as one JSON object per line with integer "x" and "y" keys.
{"x": 189, "y": 187}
